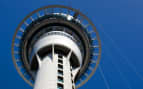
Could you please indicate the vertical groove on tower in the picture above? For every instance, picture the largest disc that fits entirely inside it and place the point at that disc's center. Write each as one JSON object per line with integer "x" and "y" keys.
{"x": 60, "y": 84}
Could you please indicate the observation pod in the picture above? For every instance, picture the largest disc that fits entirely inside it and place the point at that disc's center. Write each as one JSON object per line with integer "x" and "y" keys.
{"x": 56, "y": 47}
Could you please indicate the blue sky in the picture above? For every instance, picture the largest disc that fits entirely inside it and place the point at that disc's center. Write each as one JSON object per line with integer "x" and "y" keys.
{"x": 119, "y": 23}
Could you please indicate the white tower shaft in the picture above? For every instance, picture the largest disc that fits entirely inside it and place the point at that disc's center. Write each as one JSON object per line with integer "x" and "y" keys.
{"x": 55, "y": 67}
{"x": 54, "y": 73}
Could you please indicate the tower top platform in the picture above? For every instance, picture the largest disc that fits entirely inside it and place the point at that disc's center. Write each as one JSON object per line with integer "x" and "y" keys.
{"x": 62, "y": 21}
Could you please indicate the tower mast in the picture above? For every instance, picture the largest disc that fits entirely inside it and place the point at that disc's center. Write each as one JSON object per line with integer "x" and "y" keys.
{"x": 56, "y": 47}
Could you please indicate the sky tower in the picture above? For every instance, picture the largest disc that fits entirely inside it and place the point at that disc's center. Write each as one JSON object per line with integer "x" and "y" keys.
{"x": 56, "y": 47}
